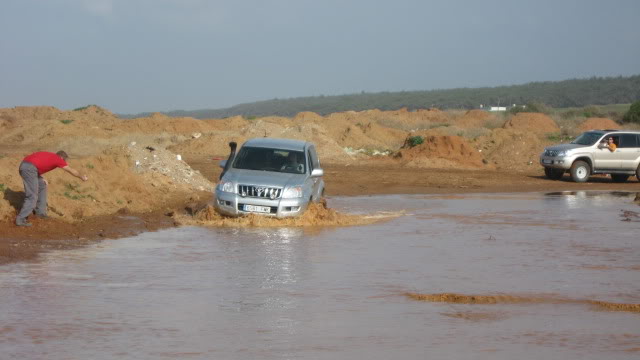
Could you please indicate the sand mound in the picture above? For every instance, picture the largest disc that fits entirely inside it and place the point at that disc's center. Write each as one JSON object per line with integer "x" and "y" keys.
{"x": 598, "y": 123}
{"x": 331, "y": 135}
{"x": 307, "y": 116}
{"x": 473, "y": 299}
{"x": 473, "y": 119}
{"x": 533, "y": 122}
{"x": 316, "y": 215}
{"x": 403, "y": 119}
{"x": 511, "y": 149}
{"x": 216, "y": 143}
{"x": 32, "y": 112}
{"x": 115, "y": 183}
{"x": 514, "y": 299}
{"x": 440, "y": 151}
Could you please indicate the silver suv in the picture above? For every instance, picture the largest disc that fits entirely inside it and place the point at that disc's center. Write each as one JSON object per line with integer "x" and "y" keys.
{"x": 589, "y": 154}
{"x": 277, "y": 177}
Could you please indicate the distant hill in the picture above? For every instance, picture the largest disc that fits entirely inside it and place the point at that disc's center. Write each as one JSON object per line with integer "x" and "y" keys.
{"x": 558, "y": 94}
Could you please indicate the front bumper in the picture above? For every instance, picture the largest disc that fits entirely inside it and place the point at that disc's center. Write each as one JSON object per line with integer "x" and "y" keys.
{"x": 232, "y": 204}
{"x": 556, "y": 162}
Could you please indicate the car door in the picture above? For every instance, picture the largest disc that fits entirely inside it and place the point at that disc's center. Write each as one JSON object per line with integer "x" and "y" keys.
{"x": 628, "y": 151}
{"x": 314, "y": 163}
{"x": 605, "y": 159}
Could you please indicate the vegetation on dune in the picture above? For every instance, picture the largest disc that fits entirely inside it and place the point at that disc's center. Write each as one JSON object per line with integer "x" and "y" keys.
{"x": 557, "y": 94}
{"x": 85, "y": 107}
{"x": 633, "y": 115}
{"x": 415, "y": 141}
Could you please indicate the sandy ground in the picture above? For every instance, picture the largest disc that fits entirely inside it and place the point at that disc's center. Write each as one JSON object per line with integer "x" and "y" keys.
{"x": 148, "y": 173}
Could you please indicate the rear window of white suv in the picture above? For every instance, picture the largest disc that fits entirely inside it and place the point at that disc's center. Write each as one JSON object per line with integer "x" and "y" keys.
{"x": 629, "y": 140}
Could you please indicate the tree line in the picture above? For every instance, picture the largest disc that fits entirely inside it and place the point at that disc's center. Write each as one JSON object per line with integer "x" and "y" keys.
{"x": 557, "y": 94}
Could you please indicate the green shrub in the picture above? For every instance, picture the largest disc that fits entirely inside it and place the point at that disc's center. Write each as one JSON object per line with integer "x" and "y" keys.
{"x": 66, "y": 121}
{"x": 559, "y": 137}
{"x": 84, "y": 107}
{"x": 89, "y": 166}
{"x": 633, "y": 115}
{"x": 1, "y": 187}
{"x": 593, "y": 111}
{"x": 74, "y": 192}
{"x": 415, "y": 141}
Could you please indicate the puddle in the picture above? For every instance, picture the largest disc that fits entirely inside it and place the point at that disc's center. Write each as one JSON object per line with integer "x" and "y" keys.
{"x": 505, "y": 276}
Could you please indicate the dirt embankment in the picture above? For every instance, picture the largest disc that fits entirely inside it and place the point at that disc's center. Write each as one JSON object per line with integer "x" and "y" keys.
{"x": 137, "y": 166}
{"x": 598, "y": 124}
{"x": 440, "y": 151}
{"x": 532, "y": 122}
{"x": 130, "y": 179}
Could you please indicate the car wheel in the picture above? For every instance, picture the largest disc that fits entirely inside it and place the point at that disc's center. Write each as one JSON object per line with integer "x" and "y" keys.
{"x": 619, "y": 178}
{"x": 580, "y": 171}
{"x": 638, "y": 173}
{"x": 553, "y": 174}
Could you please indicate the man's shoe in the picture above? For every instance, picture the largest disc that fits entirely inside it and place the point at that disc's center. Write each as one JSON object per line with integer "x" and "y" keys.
{"x": 42, "y": 216}
{"x": 23, "y": 223}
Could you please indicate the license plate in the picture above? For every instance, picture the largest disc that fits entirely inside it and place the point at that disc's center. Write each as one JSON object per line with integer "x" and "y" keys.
{"x": 545, "y": 161}
{"x": 254, "y": 208}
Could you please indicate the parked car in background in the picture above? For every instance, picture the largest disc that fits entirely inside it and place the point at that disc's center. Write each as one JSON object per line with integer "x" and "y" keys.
{"x": 275, "y": 177}
{"x": 589, "y": 154}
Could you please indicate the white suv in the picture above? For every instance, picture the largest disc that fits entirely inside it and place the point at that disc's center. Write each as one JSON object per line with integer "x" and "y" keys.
{"x": 588, "y": 154}
{"x": 276, "y": 177}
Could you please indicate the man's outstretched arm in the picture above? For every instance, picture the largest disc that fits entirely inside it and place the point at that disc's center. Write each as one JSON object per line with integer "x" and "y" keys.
{"x": 75, "y": 173}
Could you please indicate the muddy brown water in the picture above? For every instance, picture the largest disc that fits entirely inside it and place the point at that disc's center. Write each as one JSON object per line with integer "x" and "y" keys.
{"x": 341, "y": 292}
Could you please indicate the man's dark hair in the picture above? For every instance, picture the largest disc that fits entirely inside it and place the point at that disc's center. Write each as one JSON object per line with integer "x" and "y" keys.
{"x": 62, "y": 154}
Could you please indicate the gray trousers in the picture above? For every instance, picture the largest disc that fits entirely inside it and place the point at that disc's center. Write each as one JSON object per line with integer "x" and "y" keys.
{"x": 35, "y": 191}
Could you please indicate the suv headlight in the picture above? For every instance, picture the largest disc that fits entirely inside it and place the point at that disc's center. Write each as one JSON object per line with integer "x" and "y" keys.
{"x": 226, "y": 186}
{"x": 292, "y": 192}
{"x": 563, "y": 153}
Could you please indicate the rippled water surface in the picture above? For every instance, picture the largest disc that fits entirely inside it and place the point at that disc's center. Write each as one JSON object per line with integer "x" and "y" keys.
{"x": 339, "y": 293}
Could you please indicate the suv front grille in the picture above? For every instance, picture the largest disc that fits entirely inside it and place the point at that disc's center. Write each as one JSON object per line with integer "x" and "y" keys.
{"x": 261, "y": 192}
{"x": 552, "y": 153}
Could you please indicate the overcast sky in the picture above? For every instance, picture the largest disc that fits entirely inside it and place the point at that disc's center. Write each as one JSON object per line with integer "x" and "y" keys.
{"x": 131, "y": 56}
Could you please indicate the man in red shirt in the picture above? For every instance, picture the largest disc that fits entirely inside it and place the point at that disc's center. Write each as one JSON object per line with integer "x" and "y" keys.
{"x": 35, "y": 186}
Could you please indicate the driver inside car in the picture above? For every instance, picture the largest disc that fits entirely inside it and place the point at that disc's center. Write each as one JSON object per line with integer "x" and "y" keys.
{"x": 292, "y": 163}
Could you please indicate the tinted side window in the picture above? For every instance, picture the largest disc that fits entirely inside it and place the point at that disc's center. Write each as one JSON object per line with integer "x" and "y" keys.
{"x": 311, "y": 161}
{"x": 628, "y": 140}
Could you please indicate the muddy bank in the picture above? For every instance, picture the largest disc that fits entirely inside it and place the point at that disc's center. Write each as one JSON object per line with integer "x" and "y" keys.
{"x": 25, "y": 244}
{"x": 19, "y": 244}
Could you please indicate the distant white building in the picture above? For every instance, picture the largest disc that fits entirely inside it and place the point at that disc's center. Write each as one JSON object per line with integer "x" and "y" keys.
{"x": 498, "y": 108}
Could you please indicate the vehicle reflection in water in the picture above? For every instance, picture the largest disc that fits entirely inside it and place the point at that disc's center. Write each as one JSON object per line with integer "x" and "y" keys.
{"x": 577, "y": 199}
{"x": 272, "y": 293}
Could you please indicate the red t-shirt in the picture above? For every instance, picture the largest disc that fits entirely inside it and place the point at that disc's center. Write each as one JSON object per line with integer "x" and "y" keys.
{"x": 45, "y": 161}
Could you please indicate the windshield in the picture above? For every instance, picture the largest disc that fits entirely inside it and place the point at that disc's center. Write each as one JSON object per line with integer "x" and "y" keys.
{"x": 264, "y": 159}
{"x": 588, "y": 138}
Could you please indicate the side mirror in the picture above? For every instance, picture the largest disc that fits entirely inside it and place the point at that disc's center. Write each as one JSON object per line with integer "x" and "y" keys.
{"x": 223, "y": 163}
{"x": 317, "y": 172}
